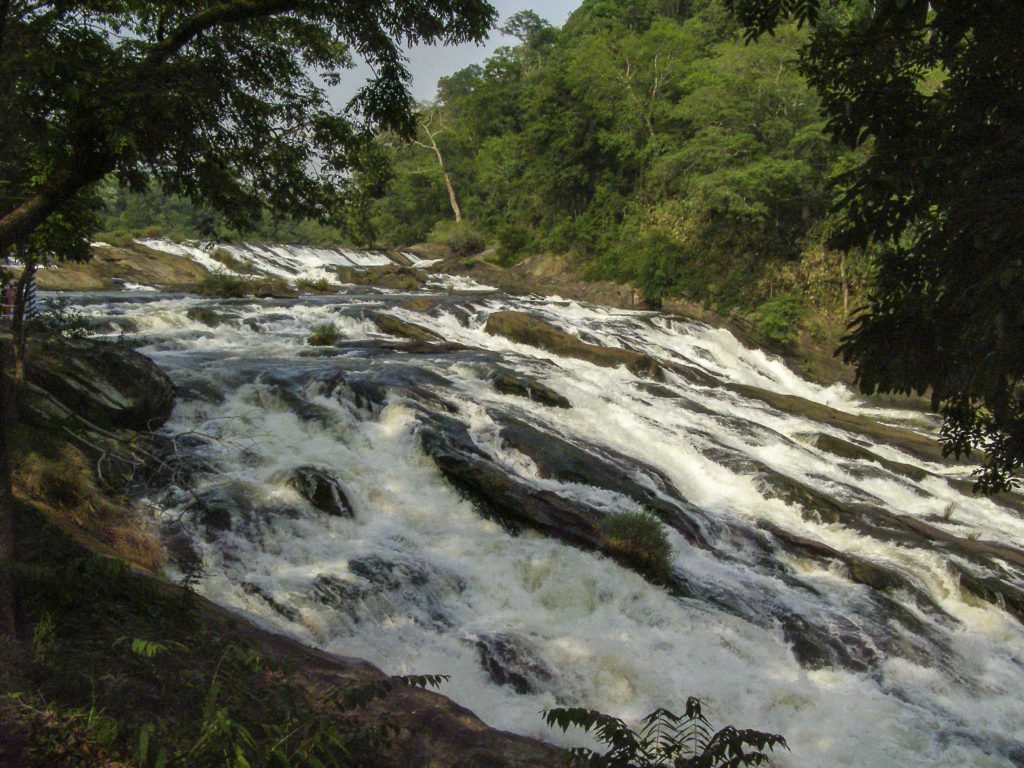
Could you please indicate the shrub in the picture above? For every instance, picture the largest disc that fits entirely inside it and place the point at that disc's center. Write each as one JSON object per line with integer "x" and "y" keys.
{"x": 323, "y": 335}
{"x": 778, "y": 319}
{"x": 514, "y": 243}
{"x": 226, "y": 286}
{"x": 323, "y": 285}
{"x": 638, "y": 541}
{"x": 232, "y": 262}
{"x": 462, "y": 237}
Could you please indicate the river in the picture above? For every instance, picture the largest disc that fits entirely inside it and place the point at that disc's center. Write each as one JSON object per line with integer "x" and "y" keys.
{"x": 803, "y": 598}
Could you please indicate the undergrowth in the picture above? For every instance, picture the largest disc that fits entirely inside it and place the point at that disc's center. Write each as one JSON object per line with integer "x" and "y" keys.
{"x": 123, "y": 670}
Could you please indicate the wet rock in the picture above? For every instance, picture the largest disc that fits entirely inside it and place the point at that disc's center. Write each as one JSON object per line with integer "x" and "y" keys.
{"x": 512, "y": 383}
{"x": 818, "y": 648}
{"x": 601, "y": 467}
{"x": 396, "y": 327}
{"x": 993, "y": 589}
{"x": 527, "y": 329}
{"x": 112, "y": 325}
{"x": 849, "y": 450}
{"x": 335, "y": 592}
{"x": 420, "y": 304}
{"x": 388, "y": 574}
{"x": 922, "y": 447}
{"x": 107, "y": 384}
{"x": 206, "y": 316}
{"x": 214, "y": 508}
{"x": 502, "y": 497}
{"x": 508, "y": 662}
{"x": 394, "y": 276}
{"x": 280, "y": 608}
{"x": 321, "y": 489}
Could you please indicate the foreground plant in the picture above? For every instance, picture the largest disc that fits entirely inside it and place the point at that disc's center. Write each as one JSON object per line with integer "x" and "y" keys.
{"x": 665, "y": 740}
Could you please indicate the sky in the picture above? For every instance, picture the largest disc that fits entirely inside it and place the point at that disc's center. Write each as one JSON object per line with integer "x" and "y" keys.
{"x": 428, "y": 63}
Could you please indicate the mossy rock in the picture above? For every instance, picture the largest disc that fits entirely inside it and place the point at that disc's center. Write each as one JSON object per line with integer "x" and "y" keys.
{"x": 527, "y": 329}
{"x": 206, "y": 316}
{"x": 105, "y": 383}
{"x": 393, "y": 326}
{"x": 392, "y": 276}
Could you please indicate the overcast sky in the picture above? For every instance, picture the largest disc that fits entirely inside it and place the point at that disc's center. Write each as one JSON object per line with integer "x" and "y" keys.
{"x": 428, "y": 63}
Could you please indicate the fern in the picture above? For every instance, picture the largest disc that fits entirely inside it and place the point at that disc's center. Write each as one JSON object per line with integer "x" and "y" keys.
{"x": 665, "y": 740}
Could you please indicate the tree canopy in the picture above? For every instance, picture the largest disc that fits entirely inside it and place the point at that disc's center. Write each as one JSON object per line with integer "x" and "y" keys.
{"x": 935, "y": 91}
{"x": 222, "y": 101}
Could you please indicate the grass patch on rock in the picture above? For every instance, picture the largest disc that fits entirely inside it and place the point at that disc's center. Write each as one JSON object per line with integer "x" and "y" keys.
{"x": 324, "y": 335}
{"x": 638, "y": 541}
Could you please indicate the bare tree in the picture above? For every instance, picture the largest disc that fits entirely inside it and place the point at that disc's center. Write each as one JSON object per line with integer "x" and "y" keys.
{"x": 426, "y": 127}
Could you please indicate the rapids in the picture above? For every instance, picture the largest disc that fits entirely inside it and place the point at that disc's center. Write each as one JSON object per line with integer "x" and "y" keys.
{"x": 803, "y": 601}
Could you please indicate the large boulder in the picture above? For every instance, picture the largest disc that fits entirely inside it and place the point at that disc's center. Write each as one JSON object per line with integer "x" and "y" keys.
{"x": 527, "y": 329}
{"x": 390, "y": 276}
{"x": 321, "y": 489}
{"x": 394, "y": 326}
{"x": 108, "y": 384}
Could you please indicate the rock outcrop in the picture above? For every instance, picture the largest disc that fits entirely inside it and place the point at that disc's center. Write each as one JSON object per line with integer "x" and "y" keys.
{"x": 527, "y": 329}
{"x": 321, "y": 489}
{"x": 108, "y": 384}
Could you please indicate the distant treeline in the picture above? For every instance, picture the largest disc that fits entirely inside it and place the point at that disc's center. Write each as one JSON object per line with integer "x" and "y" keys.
{"x": 647, "y": 139}
{"x": 644, "y": 138}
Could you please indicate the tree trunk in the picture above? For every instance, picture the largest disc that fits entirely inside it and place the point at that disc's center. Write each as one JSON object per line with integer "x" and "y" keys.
{"x": 846, "y": 285}
{"x": 12, "y": 377}
{"x": 8, "y": 532}
{"x": 452, "y": 199}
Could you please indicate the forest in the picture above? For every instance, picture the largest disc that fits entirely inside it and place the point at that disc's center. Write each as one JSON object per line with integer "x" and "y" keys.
{"x": 646, "y": 140}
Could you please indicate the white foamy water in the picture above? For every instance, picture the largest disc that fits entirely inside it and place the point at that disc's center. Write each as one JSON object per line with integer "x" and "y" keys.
{"x": 286, "y": 261}
{"x": 419, "y": 582}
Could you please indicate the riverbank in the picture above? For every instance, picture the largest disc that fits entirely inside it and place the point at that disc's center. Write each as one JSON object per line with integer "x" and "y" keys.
{"x": 118, "y": 666}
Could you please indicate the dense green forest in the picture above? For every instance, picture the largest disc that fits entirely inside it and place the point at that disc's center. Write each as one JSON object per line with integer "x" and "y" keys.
{"x": 648, "y": 140}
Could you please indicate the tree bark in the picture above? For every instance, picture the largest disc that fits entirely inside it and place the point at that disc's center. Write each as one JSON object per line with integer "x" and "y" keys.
{"x": 452, "y": 199}
{"x": 18, "y": 223}
{"x": 8, "y": 529}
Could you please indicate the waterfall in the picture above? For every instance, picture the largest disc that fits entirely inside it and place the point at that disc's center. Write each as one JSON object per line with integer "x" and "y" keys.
{"x": 832, "y": 580}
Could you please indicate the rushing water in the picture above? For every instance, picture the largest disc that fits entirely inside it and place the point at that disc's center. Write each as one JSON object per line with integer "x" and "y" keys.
{"x": 917, "y": 673}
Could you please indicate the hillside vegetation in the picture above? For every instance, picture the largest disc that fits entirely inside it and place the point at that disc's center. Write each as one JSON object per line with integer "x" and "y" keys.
{"x": 650, "y": 143}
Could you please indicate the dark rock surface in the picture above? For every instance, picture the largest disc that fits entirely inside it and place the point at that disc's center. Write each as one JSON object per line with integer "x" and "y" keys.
{"x": 107, "y": 384}
{"x": 321, "y": 489}
{"x": 510, "y": 382}
{"x": 527, "y": 329}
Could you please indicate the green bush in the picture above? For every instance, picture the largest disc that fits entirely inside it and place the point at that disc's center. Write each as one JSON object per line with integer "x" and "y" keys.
{"x": 514, "y": 243}
{"x": 225, "y": 286}
{"x": 232, "y": 262}
{"x": 323, "y": 285}
{"x": 323, "y": 335}
{"x": 462, "y": 237}
{"x": 638, "y": 541}
{"x": 778, "y": 320}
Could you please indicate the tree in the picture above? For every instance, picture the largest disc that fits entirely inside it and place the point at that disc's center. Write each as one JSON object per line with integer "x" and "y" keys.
{"x": 221, "y": 101}
{"x": 431, "y": 126}
{"x": 936, "y": 91}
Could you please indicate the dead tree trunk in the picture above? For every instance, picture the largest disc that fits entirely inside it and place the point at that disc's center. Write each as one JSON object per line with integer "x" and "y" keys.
{"x": 432, "y": 134}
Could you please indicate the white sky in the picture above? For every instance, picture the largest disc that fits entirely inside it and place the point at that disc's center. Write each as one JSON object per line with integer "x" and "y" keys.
{"x": 428, "y": 63}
